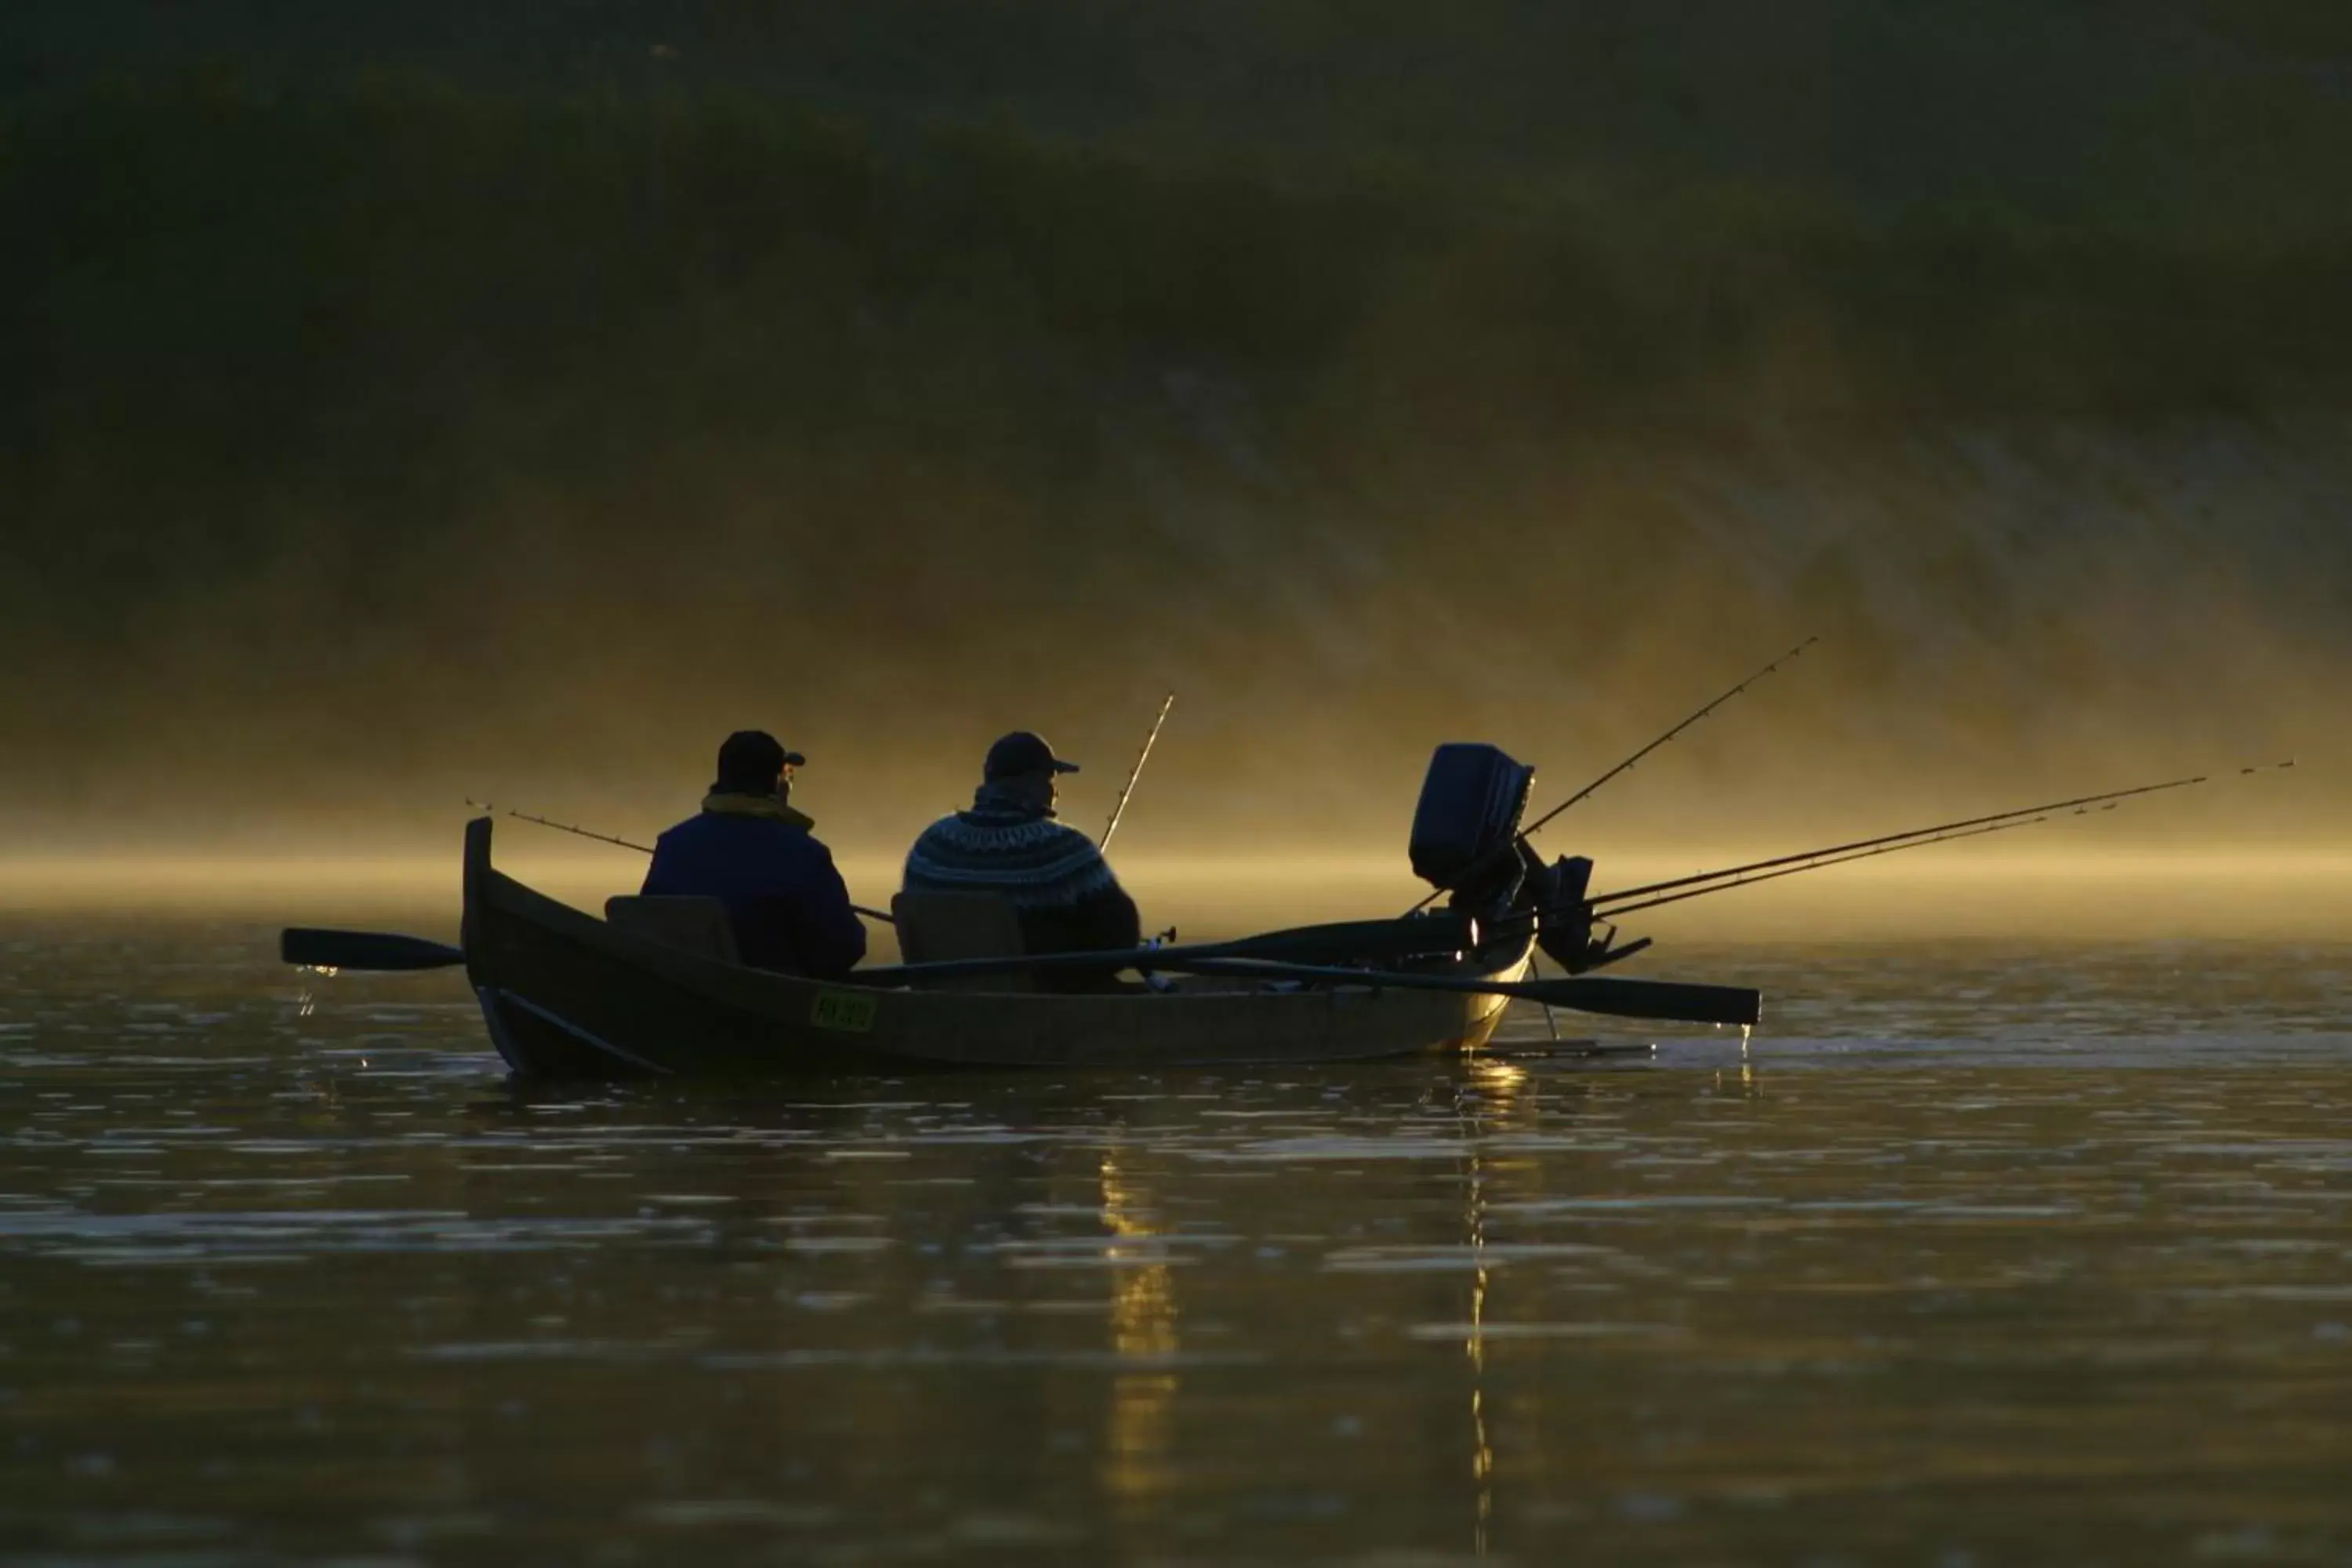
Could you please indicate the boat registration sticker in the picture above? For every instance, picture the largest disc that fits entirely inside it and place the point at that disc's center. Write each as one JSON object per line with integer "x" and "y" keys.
{"x": 844, "y": 1012}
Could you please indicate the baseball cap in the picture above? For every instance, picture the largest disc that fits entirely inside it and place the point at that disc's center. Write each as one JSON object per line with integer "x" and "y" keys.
{"x": 754, "y": 758}
{"x": 1023, "y": 751}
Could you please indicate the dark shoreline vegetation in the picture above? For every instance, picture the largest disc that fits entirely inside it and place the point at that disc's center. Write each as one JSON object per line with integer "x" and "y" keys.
{"x": 324, "y": 406}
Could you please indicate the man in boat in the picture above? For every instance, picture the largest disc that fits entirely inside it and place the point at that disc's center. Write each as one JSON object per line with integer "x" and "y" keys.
{"x": 1060, "y": 887}
{"x": 752, "y": 852}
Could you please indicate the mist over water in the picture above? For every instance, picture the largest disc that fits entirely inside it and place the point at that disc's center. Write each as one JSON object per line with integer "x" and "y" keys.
{"x": 402, "y": 421}
{"x": 1995, "y": 631}
{"x": 407, "y": 414}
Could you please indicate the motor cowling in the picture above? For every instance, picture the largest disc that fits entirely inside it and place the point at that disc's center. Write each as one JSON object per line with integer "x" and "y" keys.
{"x": 1472, "y": 800}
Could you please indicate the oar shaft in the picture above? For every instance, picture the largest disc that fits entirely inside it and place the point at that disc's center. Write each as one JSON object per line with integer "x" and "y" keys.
{"x": 386, "y": 951}
{"x": 1381, "y": 941}
{"x": 1663, "y": 1000}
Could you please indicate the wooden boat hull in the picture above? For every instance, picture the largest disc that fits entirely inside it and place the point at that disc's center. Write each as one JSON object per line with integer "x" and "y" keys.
{"x": 567, "y": 995}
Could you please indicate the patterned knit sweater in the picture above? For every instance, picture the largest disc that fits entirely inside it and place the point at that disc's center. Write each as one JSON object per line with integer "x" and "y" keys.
{"x": 1055, "y": 878}
{"x": 1023, "y": 856}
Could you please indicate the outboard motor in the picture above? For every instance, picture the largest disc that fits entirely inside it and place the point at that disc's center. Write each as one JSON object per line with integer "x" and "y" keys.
{"x": 1560, "y": 890}
{"x": 1568, "y": 932}
{"x": 1471, "y": 803}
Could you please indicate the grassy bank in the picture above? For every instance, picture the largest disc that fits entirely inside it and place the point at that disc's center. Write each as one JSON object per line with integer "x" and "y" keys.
{"x": 401, "y": 294}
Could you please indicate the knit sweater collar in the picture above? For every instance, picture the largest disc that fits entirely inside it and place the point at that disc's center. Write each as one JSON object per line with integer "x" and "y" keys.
{"x": 997, "y": 806}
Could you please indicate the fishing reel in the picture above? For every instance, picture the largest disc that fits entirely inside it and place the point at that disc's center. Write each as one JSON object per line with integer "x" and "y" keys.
{"x": 1152, "y": 978}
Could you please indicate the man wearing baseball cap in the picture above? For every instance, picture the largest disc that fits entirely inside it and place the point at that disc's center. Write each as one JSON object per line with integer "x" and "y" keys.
{"x": 1008, "y": 844}
{"x": 752, "y": 852}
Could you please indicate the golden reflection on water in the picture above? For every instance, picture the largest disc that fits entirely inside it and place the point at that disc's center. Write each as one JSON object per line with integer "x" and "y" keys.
{"x": 1142, "y": 1330}
{"x": 1495, "y": 1084}
{"x": 277, "y": 1285}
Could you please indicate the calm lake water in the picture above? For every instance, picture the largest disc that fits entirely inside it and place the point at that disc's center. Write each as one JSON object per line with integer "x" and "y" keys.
{"x": 1977, "y": 1255}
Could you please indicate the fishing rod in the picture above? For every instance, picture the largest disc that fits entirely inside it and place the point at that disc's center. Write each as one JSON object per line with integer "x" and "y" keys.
{"x": 1611, "y": 907}
{"x": 1619, "y": 912}
{"x": 1626, "y": 766}
{"x": 1609, "y": 904}
{"x": 625, "y": 843}
{"x": 560, "y": 826}
{"x": 1136, "y": 772}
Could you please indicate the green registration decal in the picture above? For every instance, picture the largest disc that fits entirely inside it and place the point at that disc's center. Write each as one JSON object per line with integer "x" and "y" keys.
{"x": 845, "y": 1011}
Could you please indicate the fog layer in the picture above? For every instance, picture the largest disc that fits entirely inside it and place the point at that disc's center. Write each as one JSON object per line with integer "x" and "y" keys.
{"x": 437, "y": 421}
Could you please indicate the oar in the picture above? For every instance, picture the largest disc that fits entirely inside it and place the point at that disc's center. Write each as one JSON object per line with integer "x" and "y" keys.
{"x": 1665, "y": 1000}
{"x": 1385, "y": 942}
{"x": 316, "y": 949}
{"x": 1652, "y": 999}
{"x": 1263, "y": 957}
{"x": 1381, "y": 941}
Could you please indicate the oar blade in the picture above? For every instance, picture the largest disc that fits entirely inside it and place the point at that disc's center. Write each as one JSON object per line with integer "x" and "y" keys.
{"x": 314, "y": 948}
{"x": 1662, "y": 1001}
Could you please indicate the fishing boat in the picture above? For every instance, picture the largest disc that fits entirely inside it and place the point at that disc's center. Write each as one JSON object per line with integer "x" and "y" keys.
{"x": 655, "y": 988}
{"x": 566, "y": 995}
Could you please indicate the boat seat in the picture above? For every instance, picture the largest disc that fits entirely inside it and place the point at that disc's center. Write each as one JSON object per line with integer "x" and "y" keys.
{"x": 695, "y": 925}
{"x": 934, "y": 928}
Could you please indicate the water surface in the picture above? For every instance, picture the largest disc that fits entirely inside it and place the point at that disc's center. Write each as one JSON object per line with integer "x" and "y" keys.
{"x": 1978, "y": 1254}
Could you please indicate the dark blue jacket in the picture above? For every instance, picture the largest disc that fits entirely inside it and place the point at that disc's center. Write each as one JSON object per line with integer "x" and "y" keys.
{"x": 788, "y": 905}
